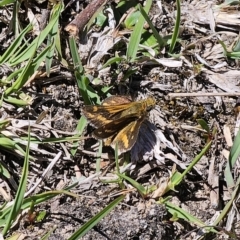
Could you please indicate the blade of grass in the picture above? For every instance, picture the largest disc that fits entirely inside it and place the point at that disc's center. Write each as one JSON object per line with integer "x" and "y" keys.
{"x": 182, "y": 214}
{"x": 82, "y": 80}
{"x": 177, "y": 177}
{"x": 203, "y": 125}
{"x": 15, "y": 45}
{"x": 12, "y": 76}
{"x": 233, "y": 156}
{"x": 48, "y": 234}
{"x": 16, "y": 101}
{"x": 137, "y": 185}
{"x": 20, "y": 192}
{"x": 82, "y": 123}
{"x": 37, "y": 199}
{"x": 228, "y": 206}
{"x": 160, "y": 40}
{"x": 96, "y": 219}
{"x": 16, "y": 236}
{"x": 194, "y": 162}
{"x": 111, "y": 61}
{"x": 27, "y": 53}
{"x": 52, "y": 36}
{"x": 15, "y": 21}
{"x": 52, "y": 140}
{"x": 29, "y": 69}
{"x": 9, "y": 144}
{"x": 176, "y": 27}
{"x": 98, "y": 161}
{"x": 136, "y": 34}
{"x": 6, "y": 2}
{"x": 21, "y": 48}
{"x": 59, "y": 51}
{"x": 4, "y": 172}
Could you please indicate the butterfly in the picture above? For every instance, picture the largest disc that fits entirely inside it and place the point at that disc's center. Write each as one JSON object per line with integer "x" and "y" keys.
{"x": 118, "y": 120}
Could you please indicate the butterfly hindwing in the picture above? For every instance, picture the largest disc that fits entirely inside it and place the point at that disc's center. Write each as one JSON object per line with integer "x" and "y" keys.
{"x": 111, "y": 128}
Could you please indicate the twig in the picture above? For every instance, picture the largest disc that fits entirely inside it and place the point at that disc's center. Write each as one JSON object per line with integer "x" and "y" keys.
{"x": 83, "y": 17}
{"x": 175, "y": 95}
{"x": 39, "y": 180}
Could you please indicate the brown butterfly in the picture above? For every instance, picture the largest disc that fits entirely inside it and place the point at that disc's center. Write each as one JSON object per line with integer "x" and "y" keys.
{"x": 118, "y": 120}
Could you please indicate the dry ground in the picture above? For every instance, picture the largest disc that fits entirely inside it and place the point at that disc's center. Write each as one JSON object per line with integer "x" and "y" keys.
{"x": 204, "y": 69}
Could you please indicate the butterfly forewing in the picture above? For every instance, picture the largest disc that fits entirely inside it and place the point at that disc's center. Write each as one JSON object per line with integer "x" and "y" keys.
{"x": 99, "y": 115}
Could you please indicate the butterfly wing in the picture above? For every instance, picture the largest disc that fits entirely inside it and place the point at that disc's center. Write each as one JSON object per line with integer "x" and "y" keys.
{"x": 127, "y": 137}
{"x": 110, "y": 109}
{"x": 112, "y": 128}
{"x": 116, "y": 100}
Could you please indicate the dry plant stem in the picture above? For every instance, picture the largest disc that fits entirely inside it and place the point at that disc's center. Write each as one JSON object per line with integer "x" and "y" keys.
{"x": 175, "y": 95}
{"x": 39, "y": 180}
{"x": 83, "y": 17}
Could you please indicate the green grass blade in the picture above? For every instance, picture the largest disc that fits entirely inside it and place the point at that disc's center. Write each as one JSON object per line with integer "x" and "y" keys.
{"x": 176, "y": 27}
{"x": 196, "y": 159}
{"x": 28, "y": 52}
{"x": 4, "y": 172}
{"x": 177, "y": 178}
{"x": 28, "y": 71}
{"x": 182, "y": 214}
{"x": 21, "y": 48}
{"x": 97, "y": 218}
{"x": 37, "y": 199}
{"x": 160, "y": 39}
{"x": 203, "y": 125}
{"x": 15, "y": 45}
{"x": 16, "y": 236}
{"x": 98, "y": 160}
{"x": 112, "y": 60}
{"x": 48, "y": 234}
{"x": 136, "y": 34}
{"x": 75, "y": 55}
{"x": 82, "y": 123}
{"x": 11, "y": 76}
{"x": 137, "y": 185}
{"x": 9, "y": 144}
{"x": 52, "y": 36}
{"x": 233, "y": 156}
{"x": 6, "y": 2}
{"x": 228, "y": 206}
{"x": 20, "y": 192}
{"x": 82, "y": 80}
{"x": 54, "y": 140}
{"x": 16, "y": 101}
{"x": 15, "y": 18}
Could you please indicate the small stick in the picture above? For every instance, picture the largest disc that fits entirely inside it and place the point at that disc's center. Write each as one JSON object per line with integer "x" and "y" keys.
{"x": 231, "y": 94}
{"x": 78, "y": 23}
